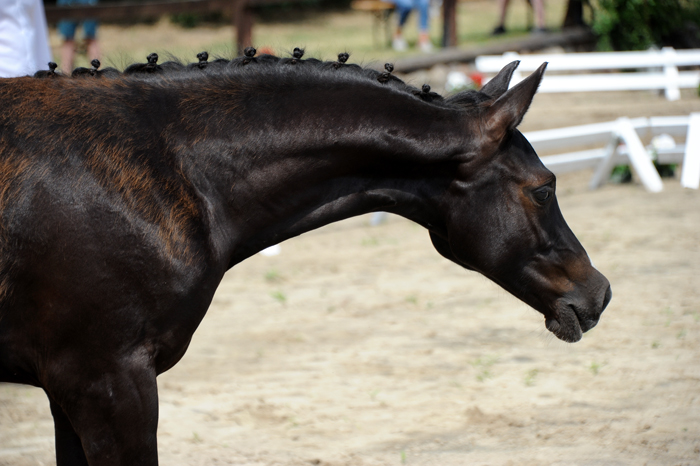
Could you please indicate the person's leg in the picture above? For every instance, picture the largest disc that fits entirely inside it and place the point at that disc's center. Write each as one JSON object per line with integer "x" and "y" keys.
{"x": 67, "y": 30}
{"x": 502, "y": 8}
{"x": 538, "y": 7}
{"x": 423, "y": 7}
{"x": 403, "y": 9}
{"x": 93, "y": 48}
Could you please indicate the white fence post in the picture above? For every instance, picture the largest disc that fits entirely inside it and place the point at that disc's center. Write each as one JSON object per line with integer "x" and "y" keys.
{"x": 614, "y": 133}
{"x": 605, "y": 167}
{"x": 672, "y": 90}
{"x": 690, "y": 176}
{"x": 639, "y": 157}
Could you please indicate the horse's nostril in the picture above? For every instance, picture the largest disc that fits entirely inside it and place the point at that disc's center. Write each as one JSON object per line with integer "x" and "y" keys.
{"x": 608, "y": 297}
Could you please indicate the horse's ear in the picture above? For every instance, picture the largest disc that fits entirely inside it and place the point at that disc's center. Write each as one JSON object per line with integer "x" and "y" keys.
{"x": 506, "y": 113}
{"x": 499, "y": 84}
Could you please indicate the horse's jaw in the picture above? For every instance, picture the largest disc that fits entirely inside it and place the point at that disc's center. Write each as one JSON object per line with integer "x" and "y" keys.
{"x": 567, "y": 317}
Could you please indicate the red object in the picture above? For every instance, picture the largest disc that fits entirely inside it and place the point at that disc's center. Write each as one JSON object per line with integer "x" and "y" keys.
{"x": 477, "y": 78}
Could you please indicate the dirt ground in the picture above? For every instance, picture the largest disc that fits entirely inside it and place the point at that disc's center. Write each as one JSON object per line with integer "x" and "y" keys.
{"x": 360, "y": 345}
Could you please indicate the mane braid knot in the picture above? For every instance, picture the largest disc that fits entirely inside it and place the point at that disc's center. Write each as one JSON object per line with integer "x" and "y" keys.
{"x": 384, "y": 77}
{"x": 342, "y": 58}
{"x": 152, "y": 60}
{"x": 269, "y": 63}
{"x": 50, "y": 73}
{"x": 95, "y": 66}
{"x": 202, "y": 57}
{"x": 151, "y": 66}
{"x": 426, "y": 95}
{"x": 297, "y": 54}
{"x": 249, "y": 53}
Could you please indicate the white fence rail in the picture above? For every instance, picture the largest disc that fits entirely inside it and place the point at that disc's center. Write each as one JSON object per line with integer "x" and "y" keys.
{"x": 621, "y": 144}
{"x": 661, "y": 70}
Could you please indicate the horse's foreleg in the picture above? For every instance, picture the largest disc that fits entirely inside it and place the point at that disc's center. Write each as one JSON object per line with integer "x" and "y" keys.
{"x": 113, "y": 411}
{"x": 69, "y": 449}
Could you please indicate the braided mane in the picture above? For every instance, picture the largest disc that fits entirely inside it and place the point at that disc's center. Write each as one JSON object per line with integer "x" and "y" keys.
{"x": 290, "y": 67}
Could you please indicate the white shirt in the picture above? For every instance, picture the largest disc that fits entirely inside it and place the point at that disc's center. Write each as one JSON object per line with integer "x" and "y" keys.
{"x": 24, "y": 38}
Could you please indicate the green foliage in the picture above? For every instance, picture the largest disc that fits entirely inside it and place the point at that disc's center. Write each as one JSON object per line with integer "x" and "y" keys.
{"x": 621, "y": 174}
{"x": 193, "y": 20}
{"x": 640, "y": 24}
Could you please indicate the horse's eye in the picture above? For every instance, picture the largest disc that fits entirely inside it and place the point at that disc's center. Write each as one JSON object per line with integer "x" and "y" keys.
{"x": 542, "y": 195}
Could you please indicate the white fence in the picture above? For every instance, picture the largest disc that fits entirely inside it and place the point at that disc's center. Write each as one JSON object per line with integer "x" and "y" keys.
{"x": 661, "y": 70}
{"x": 621, "y": 145}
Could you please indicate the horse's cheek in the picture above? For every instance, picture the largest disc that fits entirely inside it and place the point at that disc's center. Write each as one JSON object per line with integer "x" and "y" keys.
{"x": 469, "y": 247}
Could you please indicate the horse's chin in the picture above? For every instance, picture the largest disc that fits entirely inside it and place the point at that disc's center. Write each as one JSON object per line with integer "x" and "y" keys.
{"x": 565, "y": 325}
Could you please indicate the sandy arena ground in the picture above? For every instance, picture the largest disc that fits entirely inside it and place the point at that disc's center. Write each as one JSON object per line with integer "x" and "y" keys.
{"x": 361, "y": 346}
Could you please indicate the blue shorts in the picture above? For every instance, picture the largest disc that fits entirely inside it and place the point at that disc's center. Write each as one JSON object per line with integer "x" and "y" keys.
{"x": 67, "y": 27}
{"x": 404, "y": 7}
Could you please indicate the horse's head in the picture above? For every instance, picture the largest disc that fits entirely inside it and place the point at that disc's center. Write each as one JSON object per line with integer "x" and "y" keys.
{"x": 502, "y": 218}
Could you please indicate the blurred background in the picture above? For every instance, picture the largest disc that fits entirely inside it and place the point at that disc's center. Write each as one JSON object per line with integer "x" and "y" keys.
{"x": 366, "y": 28}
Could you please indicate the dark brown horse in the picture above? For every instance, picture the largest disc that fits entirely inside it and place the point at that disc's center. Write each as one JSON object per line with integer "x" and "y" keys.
{"x": 125, "y": 197}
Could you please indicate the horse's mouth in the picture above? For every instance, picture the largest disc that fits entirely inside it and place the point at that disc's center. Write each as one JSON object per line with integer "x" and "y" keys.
{"x": 567, "y": 325}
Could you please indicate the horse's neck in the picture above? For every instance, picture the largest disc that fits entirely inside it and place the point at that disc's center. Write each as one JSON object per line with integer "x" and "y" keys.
{"x": 311, "y": 159}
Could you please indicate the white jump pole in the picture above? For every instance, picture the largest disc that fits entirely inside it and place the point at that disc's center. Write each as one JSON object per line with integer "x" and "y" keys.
{"x": 639, "y": 157}
{"x": 690, "y": 176}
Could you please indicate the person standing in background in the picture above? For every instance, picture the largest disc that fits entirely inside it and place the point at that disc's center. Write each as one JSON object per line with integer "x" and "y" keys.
{"x": 67, "y": 28}
{"x": 538, "y": 9}
{"x": 403, "y": 9}
{"x": 24, "y": 38}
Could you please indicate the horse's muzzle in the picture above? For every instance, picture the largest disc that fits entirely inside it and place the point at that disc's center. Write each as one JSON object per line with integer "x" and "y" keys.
{"x": 577, "y": 312}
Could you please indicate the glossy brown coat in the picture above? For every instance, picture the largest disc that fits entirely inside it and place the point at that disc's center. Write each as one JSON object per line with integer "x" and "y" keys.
{"x": 124, "y": 198}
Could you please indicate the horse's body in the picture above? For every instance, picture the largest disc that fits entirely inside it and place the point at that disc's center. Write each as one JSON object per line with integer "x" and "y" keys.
{"x": 123, "y": 201}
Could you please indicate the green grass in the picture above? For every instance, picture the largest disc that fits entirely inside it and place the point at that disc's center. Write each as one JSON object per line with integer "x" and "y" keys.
{"x": 595, "y": 367}
{"x": 370, "y": 241}
{"x": 530, "y": 377}
{"x": 273, "y": 276}
{"x": 279, "y": 297}
{"x": 483, "y": 367}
